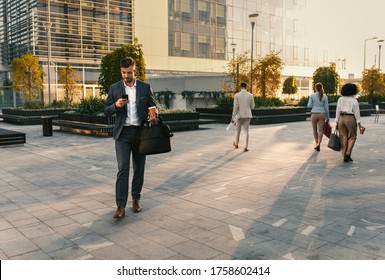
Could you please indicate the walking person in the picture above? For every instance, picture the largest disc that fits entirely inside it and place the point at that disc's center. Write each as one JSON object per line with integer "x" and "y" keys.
{"x": 347, "y": 118}
{"x": 242, "y": 115}
{"x": 318, "y": 102}
{"x": 130, "y": 99}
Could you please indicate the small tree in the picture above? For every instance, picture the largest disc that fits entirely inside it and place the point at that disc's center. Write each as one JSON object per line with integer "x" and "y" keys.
{"x": 69, "y": 77}
{"x": 238, "y": 71}
{"x": 27, "y": 76}
{"x": 267, "y": 74}
{"x": 110, "y": 65}
{"x": 290, "y": 85}
{"x": 373, "y": 83}
{"x": 328, "y": 77}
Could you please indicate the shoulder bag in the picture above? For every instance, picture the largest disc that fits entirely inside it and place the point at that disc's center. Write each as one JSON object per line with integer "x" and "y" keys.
{"x": 327, "y": 129}
{"x": 155, "y": 138}
{"x": 334, "y": 141}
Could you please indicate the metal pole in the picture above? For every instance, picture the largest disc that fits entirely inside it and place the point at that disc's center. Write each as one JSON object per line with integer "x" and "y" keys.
{"x": 252, "y": 47}
{"x": 47, "y": 26}
{"x": 365, "y": 50}
{"x": 252, "y": 17}
{"x": 379, "y": 53}
{"x": 234, "y": 66}
{"x": 49, "y": 62}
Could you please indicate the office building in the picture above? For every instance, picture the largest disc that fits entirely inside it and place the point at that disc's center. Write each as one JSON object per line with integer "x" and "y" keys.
{"x": 61, "y": 32}
{"x": 186, "y": 43}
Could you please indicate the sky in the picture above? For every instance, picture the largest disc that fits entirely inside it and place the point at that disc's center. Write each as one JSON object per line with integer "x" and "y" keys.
{"x": 342, "y": 26}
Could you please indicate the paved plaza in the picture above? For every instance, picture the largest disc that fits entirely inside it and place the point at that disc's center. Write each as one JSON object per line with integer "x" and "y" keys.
{"x": 203, "y": 200}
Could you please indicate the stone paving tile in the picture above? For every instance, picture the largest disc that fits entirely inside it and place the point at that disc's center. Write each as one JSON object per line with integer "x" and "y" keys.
{"x": 341, "y": 252}
{"x": 164, "y": 237}
{"x": 71, "y": 253}
{"x": 17, "y": 246}
{"x": 34, "y": 255}
{"x": 365, "y": 247}
{"x": 199, "y": 235}
{"x": 127, "y": 239}
{"x": 195, "y": 250}
{"x": 4, "y": 224}
{"x": 52, "y": 242}
{"x": 9, "y": 234}
{"x": 153, "y": 251}
{"x": 236, "y": 248}
{"x": 113, "y": 252}
{"x": 281, "y": 200}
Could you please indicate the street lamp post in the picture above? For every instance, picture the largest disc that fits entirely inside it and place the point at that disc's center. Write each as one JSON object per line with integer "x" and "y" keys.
{"x": 47, "y": 25}
{"x": 365, "y": 50}
{"x": 236, "y": 75}
{"x": 252, "y": 18}
{"x": 379, "y": 53}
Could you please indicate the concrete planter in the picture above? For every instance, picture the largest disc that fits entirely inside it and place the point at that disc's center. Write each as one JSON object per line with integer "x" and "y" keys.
{"x": 29, "y": 116}
{"x": 260, "y": 115}
{"x": 365, "y": 110}
{"x": 103, "y": 126}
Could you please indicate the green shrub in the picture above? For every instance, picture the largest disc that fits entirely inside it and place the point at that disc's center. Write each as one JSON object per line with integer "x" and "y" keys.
{"x": 268, "y": 102}
{"x": 59, "y": 104}
{"x": 303, "y": 101}
{"x": 33, "y": 104}
{"x": 90, "y": 106}
{"x": 225, "y": 101}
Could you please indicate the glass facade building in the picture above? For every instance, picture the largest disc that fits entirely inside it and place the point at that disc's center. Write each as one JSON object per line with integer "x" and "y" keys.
{"x": 76, "y": 32}
{"x": 197, "y": 28}
{"x": 211, "y": 28}
{"x": 178, "y": 37}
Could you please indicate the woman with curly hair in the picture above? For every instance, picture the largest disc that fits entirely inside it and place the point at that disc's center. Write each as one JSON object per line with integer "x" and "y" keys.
{"x": 347, "y": 118}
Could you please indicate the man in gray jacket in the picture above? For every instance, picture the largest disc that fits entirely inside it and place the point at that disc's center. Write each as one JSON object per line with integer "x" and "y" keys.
{"x": 242, "y": 115}
{"x": 130, "y": 99}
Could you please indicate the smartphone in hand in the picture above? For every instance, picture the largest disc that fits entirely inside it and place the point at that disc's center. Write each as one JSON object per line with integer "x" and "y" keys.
{"x": 125, "y": 96}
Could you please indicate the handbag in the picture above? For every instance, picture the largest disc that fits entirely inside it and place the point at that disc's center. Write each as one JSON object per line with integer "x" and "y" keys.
{"x": 334, "y": 141}
{"x": 327, "y": 129}
{"x": 155, "y": 138}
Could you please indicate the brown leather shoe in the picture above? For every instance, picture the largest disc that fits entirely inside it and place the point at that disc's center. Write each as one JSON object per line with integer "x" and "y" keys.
{"x": 235, "y": 146}
{"x": 136, "y": 206}
{"x": 246, "y": 149}
{"x": 120, "y": 213}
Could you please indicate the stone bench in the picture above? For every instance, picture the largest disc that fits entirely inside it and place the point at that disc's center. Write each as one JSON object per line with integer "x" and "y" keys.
{"x": 9, "y": 137}
{"x": 106, "y": 130}
{"x": 22, "y": 120}
{"x": 263, "y": 119}
{"x": 84, "y": 128}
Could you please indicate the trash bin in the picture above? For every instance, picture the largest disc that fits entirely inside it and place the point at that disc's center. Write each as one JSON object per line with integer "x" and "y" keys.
{"x": 47, "y": 125}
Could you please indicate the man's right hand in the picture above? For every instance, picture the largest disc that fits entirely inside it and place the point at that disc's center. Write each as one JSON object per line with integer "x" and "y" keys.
{"x": 121, "y": 103}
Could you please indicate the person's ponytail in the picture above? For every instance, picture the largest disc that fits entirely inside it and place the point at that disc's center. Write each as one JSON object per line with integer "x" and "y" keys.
{"x": 320, "y": 90}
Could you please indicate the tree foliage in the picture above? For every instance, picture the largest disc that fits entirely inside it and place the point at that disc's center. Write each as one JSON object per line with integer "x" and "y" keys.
{"x": 110, "y": 65}
{"x": 69, "y": 77}
{"x": 290, "y": 85}
{"x": 238, "y": 71}
{"x": 328, "y": 77}
{"x": 267, "y": 75}
{"x": 373, "y": 83}
{"x": 27, "y": 76}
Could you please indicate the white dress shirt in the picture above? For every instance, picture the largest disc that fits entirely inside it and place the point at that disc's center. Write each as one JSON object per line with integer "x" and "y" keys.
{"x": 348, "y": 105}
{"x": 132, "y": 111}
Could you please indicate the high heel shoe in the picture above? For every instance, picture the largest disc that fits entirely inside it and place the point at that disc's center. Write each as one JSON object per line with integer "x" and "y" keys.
{"x": 317, "y": 148}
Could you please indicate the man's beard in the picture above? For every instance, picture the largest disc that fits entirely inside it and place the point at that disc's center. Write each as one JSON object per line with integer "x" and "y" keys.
{"x": 129, "y": 80}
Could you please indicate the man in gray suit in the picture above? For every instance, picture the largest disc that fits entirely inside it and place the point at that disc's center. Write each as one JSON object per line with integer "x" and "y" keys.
{"x": 130, "y": 99}
{"x": 242, "y": 115}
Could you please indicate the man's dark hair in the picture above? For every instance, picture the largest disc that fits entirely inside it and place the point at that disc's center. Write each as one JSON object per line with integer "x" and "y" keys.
{"x": 243, "y": 85}
{"x": 127, "y": 62}
{"x": 349, "y": 89}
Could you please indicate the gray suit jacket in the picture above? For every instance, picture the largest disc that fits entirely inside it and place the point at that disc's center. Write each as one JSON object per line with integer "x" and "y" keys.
{"x": 144, "y": 100}
{"x": 243, "y": 103}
